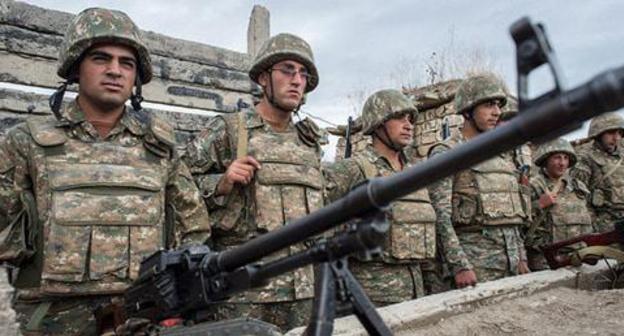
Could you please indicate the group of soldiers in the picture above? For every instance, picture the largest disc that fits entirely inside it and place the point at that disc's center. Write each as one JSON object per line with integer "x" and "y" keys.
{"x": 87, "y": 193}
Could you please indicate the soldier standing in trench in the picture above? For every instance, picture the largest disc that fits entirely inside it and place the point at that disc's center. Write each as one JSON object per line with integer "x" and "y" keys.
{"x": 559, "y": 201}
{"x": 92, "y": 191}
{"x": 601, "y": 169}
{"x": 483, "y": 202}
{"x": 410, "y": 248}
{"x": 259, "y": 170}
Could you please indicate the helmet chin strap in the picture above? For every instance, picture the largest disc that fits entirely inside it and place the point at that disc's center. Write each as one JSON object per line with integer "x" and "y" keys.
{"x": 271, "y": 98}
{"x": 468, "y": 116}
{"x": 387, "y": 141}
{"x": 137, "y": 97}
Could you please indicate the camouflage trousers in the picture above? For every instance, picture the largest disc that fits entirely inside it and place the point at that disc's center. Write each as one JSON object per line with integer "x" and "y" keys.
{"x": 285, "y": 315}
{"x": 435, "y": 277}
{"x": 389, "y": 283}
{"x": 494, "y": 252}
{"x": 65, "y": 316}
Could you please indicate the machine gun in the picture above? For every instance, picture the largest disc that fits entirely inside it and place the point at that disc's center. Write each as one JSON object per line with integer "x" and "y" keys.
{"x": 183, "y": 283}
{"x": 559, "y": 254}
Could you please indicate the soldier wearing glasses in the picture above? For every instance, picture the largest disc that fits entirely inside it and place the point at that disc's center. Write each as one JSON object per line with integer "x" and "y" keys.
{"x": 259, "y": 170}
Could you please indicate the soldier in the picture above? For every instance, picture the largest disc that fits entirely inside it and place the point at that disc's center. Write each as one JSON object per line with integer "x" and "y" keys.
{"x": 259, "y": 170}
{"x": 96, "y": 189}
{"x": 559, "y": 202}
{"x": 600, "y": 168}
{"x": 388, "y": 117}
{"x": 482, "y": 202}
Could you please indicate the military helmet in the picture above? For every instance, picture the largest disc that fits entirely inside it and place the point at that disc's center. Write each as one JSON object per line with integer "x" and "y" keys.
{"x": 382, "y": 106}
{"x": 605, "y": 122}
{"x": 285, "y": 47}
{"x": 510, "y": 109}
{"x": 558, "y": 145}
{"x": 100, "y": 25}
{"x": 477, "y": 89}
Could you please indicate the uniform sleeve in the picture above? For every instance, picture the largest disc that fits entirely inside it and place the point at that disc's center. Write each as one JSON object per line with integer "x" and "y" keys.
{"x": 192, "y": 224}
{"x": 14, "y": 172}
{"x": 441, "y": 193}
{"x": 582, "y": 171}
{"x": 207, "y": 158}
{"x": 340, "y": 178}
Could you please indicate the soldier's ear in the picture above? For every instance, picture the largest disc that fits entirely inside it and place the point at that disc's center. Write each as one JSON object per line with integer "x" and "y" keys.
{"x": 264, "y": 78}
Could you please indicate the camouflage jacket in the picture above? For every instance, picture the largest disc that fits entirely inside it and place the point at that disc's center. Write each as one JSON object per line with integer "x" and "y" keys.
{"x": 101, "y": 204}
{"x": 412, "y": 218}
{"x": 603, "y": 174}
{"x": 288, "y": 186}
{"x": 443, "y": 198}
{"x": 568, "y": 218}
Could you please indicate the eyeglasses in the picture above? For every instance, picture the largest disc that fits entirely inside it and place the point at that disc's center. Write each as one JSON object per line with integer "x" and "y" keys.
{"x": 291, "y": 72}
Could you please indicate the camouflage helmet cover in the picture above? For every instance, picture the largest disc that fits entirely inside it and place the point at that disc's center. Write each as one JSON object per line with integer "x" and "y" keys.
{"x": 383, "y": 105}
{"x": 558, "y": 145}
{"x": 477, "y": 89}
{"x": 99, "y": 25}
{"x": 605, "y": 122}
{"x": 285, "y": 47}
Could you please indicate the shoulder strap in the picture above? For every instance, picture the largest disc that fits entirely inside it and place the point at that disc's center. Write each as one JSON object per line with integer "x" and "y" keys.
{"x": 367, "y": 167}
{"x": 242, "y": 136}
{"x": 162, "y": 131}
{"x": 610, "y": 172}
{"x": 44, "y": 131}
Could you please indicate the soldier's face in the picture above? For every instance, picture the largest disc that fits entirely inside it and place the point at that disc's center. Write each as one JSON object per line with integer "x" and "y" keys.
{"x": 400, "y": 129}
{"x": 485, "y": 115}
{"x": 611, "y": 139}
{"x": 286, "y": 81}
{"x": 106, "y": 76}
{"x": 557, "y": 164}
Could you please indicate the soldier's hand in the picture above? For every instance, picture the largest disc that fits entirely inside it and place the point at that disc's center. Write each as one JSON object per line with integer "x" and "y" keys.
{"x": 547, "y": 199}
{"x": 465, "y": 278}
{"x": 523, "y": 267}
{"x": 241, "y": 171}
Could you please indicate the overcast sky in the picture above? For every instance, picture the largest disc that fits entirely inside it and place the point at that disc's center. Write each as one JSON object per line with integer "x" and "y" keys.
{"x": 364, "y": 45}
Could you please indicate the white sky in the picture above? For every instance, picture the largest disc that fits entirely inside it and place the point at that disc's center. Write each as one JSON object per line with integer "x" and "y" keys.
{"x": 365, "y": 45}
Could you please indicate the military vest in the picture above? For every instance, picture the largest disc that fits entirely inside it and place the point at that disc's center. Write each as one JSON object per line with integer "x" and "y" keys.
{"x": 610, "y": 186}
{"x": 487, "y": 194}
{"x": 412, "y": 222}
{"x": 287, "y": 187}
{"x": 102, "y": 206}
{"x": 569, "y": 216}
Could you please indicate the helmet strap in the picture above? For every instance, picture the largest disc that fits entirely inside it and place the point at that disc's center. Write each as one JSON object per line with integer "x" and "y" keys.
{"x": 137, "y": 97}
{"x": 387, "y": 141}
{"x": 56, "y": 99}
{"x": 271, "y": 97}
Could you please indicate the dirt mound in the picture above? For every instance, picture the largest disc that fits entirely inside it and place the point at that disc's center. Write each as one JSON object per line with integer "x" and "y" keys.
{"x": 559, "y": 311}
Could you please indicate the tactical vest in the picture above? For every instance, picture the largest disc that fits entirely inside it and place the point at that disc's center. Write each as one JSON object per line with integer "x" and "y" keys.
{"x": 287, "y": 187}
{"x": 569, "y": 216}
{"x": 102, "y": 206}
{"x": 487, "y": 194}
{"x": 610, "y": 187}
{"x": 412, "y": 218}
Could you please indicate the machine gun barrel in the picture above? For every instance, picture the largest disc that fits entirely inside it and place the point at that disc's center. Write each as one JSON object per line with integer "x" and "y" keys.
{"x": 546, "y": 119}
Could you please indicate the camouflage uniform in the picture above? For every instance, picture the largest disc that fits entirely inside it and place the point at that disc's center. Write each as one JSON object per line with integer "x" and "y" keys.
{"x": 483, "y": 203}
{"x": 397, "y": 275}
{"x": 567, "y": 218}
{"x": 91, "y": 208}
{"x": 288, "y": 186}
{"x": 603, "y": 173}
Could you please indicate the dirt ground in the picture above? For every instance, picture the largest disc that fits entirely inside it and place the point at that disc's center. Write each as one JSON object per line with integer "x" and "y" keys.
{"x": 559, "y": 311}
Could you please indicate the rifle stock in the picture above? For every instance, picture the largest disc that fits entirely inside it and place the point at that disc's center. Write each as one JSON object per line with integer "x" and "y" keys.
{"x": 557, "y": 258}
